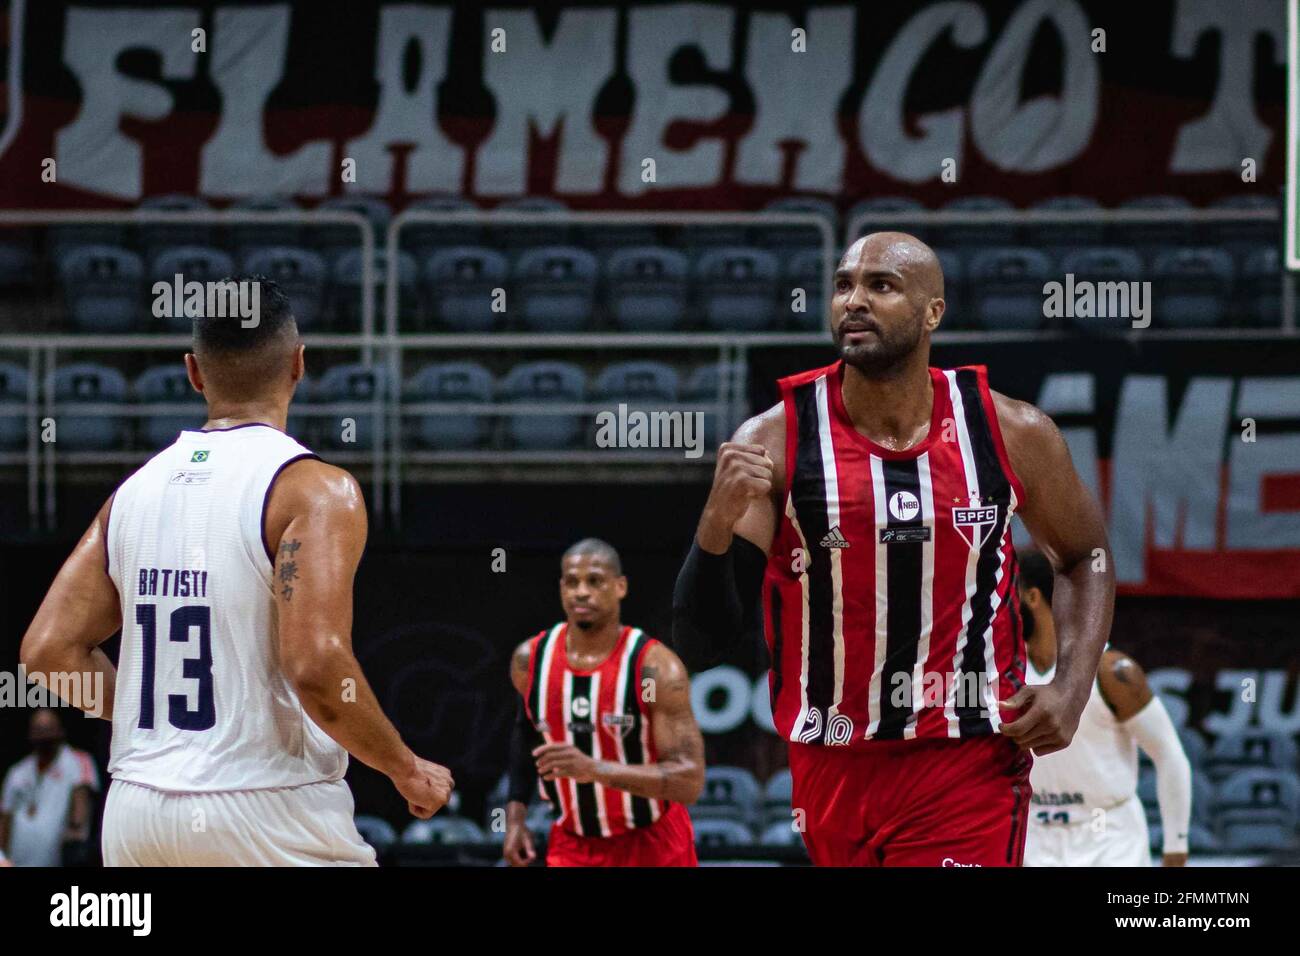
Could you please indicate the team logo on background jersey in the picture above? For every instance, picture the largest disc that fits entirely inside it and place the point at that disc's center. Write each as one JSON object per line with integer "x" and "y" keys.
{"x": 199, "y": 456}
{"x": 904, "y": 506}
{"x": 621, "y": 724}
{"x": 975, "y": 524}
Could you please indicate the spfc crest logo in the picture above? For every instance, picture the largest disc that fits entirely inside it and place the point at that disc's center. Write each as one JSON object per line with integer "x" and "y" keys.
{"x": 975, "y": 523}
{"x": 620, "y": 724}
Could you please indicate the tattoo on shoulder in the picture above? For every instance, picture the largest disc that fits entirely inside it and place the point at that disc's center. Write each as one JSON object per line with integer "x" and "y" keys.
{"x": 287, "y": 567}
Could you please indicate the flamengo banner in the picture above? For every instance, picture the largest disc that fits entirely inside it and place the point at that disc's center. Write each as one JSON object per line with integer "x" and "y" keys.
{"x": 655, "y": 105}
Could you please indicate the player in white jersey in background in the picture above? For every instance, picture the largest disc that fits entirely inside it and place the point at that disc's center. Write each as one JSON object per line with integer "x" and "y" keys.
{"x": 1085, "y": 809}
{"x": 227, "y": 561}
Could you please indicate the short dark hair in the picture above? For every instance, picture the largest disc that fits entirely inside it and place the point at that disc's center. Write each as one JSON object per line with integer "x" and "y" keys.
{"x": 597, "y": 548}
{"x": 214, "y": 334}
{"x": 238, "y": 360}
{"x": 1036, "y": 572}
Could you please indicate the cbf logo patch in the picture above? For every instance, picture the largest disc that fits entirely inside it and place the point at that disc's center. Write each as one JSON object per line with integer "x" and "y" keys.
{"x": 199, "y": 456}
{"x": 975, "y": 524}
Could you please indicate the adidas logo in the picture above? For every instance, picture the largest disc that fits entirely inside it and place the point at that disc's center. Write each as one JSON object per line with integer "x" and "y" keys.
{"x": 833, "y": 539}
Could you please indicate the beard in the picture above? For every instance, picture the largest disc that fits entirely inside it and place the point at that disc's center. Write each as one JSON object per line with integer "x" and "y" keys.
{"x": 886, "y": 352}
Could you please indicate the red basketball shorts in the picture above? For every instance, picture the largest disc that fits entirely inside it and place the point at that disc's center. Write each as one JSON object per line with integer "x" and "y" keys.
{"x": 913, "y": 802}
{"x": 669, "y": 841}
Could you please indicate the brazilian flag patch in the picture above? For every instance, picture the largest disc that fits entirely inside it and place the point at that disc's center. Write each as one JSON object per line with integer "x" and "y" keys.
{"x": 199, "y": 456}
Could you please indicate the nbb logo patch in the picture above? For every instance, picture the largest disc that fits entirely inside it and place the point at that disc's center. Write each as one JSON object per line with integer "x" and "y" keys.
{"x": 975, "y": 524}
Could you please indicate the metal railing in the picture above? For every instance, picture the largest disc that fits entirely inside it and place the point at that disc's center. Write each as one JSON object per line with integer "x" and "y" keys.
{"x": 392, "y": 459}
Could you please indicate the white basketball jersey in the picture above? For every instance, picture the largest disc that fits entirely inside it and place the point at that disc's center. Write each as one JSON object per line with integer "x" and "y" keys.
{"x": 1098, "y": 769}
{"x": 201, "y": 702}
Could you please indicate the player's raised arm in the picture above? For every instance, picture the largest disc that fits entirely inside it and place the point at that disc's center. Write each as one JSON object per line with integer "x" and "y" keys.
{"x": 1066, "y": 524}
{"x": 80, "y": 611}
{"x": 678, "y": 773}
{"x": 716, "y": 599}
{"x": 317, "y": 518}
{"x": 1140, "y": 712}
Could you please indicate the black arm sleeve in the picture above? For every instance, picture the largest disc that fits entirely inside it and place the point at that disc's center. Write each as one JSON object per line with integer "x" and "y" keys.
{"x": 523, "y": 768}
{"x": 717, "y": 602}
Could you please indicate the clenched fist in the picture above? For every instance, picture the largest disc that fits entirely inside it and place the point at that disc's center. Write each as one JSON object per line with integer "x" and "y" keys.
{"x": 743, "y": 473}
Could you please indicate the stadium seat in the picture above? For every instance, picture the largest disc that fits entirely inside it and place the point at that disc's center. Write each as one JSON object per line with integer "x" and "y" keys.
{"x": 459, "y": 285}
{"x": 517, "y": 236}
{"x": 701, "y": 387}
{"x": 88, "y": 383}
{"x": 646, "y": 382}
{"x": 334, "y": 240}
{"x": 781, "y": 833}
{"x": 1240, "y": 238}
{"x": 156, "y": 236}
{"x": 101, "y": 286}
{"x": 192, "y": 264}
{"x": 789, "y": 240}
{"x": 1250, "y": 750}
{"x": 14, "y": 387}
{"x": 1200, "y": 838}
{"x": 300, "y": 273}
{"x": 1007, "y": 287}
{"x": 540, "y": 817}
{"x": 1066, "y": 235}
{"x": 881, "y": 211}
{"x": 804, "y": 270}
{"x": 356, "y": 387}
{"x": 1194, "y": 746}
{"x": 167, "y": 384}
{"x": 729, "y": 793}
{"x": 777, "y": 795}
{"x": 956, "y": 314}
{"x": 423, "y": 239}
{"x": 1105, "y": 264}
{"x": 1191, "y": 285}
{"x": 376, "y": 831}
{"x": 65, "y": 238}
{"x": 1148, "y": 239}
{"x": 537, "y": 383}
{"x": 721, "y": 834}
{"x": 737, "y": 289}
{"x": 974, "y": 236}
{"x": 17, "y": 266}
{"x": 1258, "y": 809}
{"x": 450, "y": 382}
{"x": 556, "y": 289}
{"x": 347, "y": 285}
{"x": 1260, "y": 286}
{"x": 443, "y": 831}
{"x": 249, "y": 235}
{"x": 646, "y": 289}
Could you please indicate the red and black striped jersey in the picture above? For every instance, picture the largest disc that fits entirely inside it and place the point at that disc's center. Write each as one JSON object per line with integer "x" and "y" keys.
{"x": 603, "y": 713}
{"x": 888, "y": 600}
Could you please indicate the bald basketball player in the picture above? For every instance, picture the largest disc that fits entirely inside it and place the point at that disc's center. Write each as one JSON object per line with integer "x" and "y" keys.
{"x": 227, "y": 562}
{"x": 871, "y": 509}
{"x": 605, "y": 721}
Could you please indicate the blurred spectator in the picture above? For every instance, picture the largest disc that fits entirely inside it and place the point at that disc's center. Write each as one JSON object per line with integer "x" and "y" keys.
{"x": 45, "y": 804}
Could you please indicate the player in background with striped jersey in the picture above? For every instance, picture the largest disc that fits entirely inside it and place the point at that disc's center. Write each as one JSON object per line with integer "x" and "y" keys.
{"x": 870, "y": 510}
{"x": 605, "y": 720}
